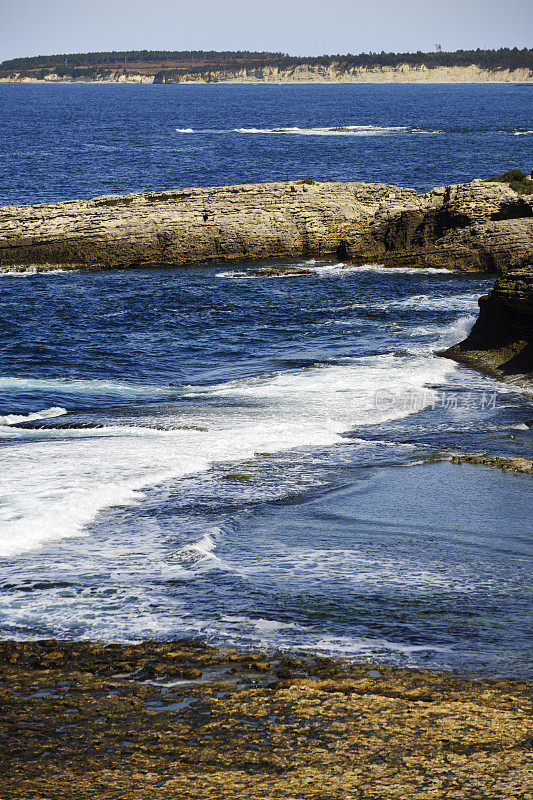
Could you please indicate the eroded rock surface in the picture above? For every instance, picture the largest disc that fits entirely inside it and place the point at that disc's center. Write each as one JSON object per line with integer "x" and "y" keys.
{"x": 501, "y": 341}
{"x": 473, "y": 226}
{"x": 252, "y": 221}
{"x": 183, "y": 720}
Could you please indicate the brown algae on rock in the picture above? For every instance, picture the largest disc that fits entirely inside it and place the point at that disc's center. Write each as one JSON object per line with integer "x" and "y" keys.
{"x": 505, "y": 463}
{"x": 185, "y": 720}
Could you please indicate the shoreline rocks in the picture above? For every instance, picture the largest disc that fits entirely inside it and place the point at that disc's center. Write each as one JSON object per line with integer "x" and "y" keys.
{"x": 483, "y": 225}
{"x": 179, "y": 227}
{"x": 474, "y": 226}
{"x": 169, "y": 720}
{"x": 505, "y": 463}
{"x": 501, "y": 341}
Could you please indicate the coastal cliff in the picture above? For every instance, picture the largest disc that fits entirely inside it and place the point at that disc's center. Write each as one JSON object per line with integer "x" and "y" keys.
{"x": 300, "y": 74}
{"x": 505, "y": 65}
{"x": 310, "y": 73}
{"x": 474, "y": 226}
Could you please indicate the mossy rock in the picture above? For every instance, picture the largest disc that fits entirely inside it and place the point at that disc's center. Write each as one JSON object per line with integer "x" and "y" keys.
{"x": 517, "y": 180}
{"x": 236, "y": 476}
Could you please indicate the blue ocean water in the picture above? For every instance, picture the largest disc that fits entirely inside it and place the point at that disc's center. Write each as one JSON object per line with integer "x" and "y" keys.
{"x": 258, "y": 462}
{"x": 65, "y": 141}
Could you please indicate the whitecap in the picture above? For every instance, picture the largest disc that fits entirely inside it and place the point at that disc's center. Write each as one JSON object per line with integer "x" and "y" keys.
{"x": 31, "y": 272}
{"x": 46, "y": 413}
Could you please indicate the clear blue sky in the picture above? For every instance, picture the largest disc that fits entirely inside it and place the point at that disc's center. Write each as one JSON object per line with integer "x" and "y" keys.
{"x": 299, "y": 27}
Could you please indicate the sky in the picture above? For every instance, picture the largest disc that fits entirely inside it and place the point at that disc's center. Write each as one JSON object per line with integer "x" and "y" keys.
{"x": 297, "y": 27}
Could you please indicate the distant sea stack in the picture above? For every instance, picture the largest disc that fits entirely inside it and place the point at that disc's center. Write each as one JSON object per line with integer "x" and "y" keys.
{"x": 505, "y": 65}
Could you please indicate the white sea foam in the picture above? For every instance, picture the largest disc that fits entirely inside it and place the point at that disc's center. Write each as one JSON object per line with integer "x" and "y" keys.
{"x": 402, "y": 270}
{"x": 31, "y": 272}
{"x": 332, "y": 130}
{"x": 457, "y": 331}
{"x": 338, "y": 269}
{"x": 458, "y": 302}
{"x": 199, "y": 551}
{"x": 46, "y": 413}
{"x": 79, "y": 386}
{"x": 522, "y": 133}
{"x": 54, "y": 488}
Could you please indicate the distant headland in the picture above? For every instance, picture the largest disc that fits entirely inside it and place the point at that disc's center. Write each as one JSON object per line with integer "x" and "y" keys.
{"x": 506, "y": 65}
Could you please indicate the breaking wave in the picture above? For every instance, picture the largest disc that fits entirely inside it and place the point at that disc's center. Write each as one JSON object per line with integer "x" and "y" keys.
{"x": 46, "y": 413}
{"x": 67, "y": 477}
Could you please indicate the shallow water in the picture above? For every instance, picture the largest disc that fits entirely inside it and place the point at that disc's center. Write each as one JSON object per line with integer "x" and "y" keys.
{"x": 258, "y": 462}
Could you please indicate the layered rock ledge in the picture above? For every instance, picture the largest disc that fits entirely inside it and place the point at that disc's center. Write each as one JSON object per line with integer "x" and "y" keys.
{"x": 165, "y": 720}
{"x": 473, "y": 226}
{"x": 251, "y": 221}
{"x": 501, "y": 341}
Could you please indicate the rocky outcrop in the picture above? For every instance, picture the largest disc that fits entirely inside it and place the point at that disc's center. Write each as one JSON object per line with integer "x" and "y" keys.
{"x": 252, "y": 221}
{"x": 501, "y": 341}
{"x": 473, "y": 226}
{"x": 505, "y": 463}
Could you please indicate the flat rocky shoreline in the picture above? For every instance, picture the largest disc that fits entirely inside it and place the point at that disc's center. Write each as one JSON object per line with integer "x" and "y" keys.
{"x": 186, "y": 720}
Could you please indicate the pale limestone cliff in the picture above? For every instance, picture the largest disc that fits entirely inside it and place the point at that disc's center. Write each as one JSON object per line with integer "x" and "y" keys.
{"x": 302, "y": 73}
{"x": 403, "y": 73}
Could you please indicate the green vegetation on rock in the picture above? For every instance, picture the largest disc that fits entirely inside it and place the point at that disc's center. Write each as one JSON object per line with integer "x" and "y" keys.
{"x": 517, "y": 180}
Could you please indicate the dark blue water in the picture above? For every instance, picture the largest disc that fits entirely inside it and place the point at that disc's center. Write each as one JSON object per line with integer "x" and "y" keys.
{"x": 259, "y": 462}
{"x": 65, "y": 141}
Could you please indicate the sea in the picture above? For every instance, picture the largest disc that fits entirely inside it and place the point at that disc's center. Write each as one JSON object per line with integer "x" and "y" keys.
{"x": 260, "y": 462}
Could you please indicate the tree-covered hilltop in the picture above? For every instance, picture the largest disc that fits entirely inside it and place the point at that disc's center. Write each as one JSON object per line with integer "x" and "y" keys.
{"x": 156, "y": 62}
{"x": 147, "y": 57}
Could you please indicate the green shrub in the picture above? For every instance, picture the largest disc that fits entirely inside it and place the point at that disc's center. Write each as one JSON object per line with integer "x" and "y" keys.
{"x": 517, "y": 180}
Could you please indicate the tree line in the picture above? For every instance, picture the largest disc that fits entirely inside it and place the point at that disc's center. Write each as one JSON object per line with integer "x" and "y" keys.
{"x": 201, "y": 60}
